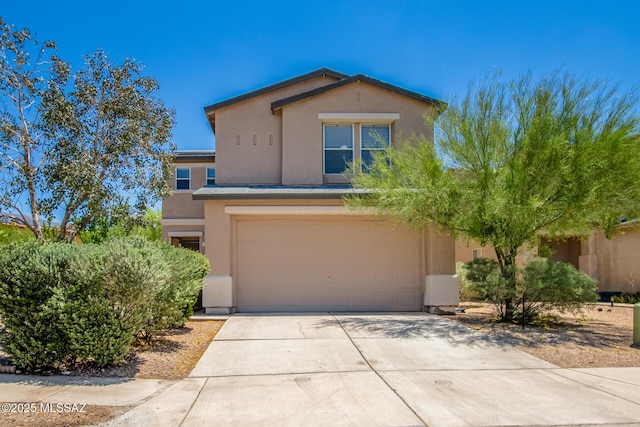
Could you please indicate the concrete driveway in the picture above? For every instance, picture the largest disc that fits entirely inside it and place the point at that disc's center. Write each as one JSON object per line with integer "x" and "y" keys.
{"x": 387, "y": 369}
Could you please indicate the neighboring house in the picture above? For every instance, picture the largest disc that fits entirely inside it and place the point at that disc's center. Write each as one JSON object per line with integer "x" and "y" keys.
{"x": 14, "y": 220}
{"x": 614, "y": 263}
{"x": 274, "y": 226}
{"x": 183, "y": 217}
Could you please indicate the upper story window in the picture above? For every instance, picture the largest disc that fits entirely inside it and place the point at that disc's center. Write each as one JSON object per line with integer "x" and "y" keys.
{"x": 373, "y": 138}
{"x": 183, "y": 178}
{"x": 338, "y": 147}
{"x": 211, "y": 176}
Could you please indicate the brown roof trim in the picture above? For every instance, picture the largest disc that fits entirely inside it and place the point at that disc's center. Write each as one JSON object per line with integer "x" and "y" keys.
{"x": 358, "y": 77}
{"x": 258, "y": 192}
{"x": 317, "y": 73}
{"x": 195, "y": 156}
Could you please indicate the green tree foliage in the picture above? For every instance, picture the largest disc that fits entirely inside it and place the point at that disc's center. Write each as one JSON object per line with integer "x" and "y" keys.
{"x": 60, "y": 303}
{"x": 112, "y": 136}
{"x": 91, "y": 144}
{"x": 147, "y": 226}
{"x": 14, "y": 234}
{"x": 514, "y": 158}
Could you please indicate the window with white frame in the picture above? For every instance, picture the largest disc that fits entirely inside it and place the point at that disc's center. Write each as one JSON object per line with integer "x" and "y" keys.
{"x": 183, "y": 178}
{"x": 373, "y": 139}
{"x": 338, "y": 148}
{"x": 211, "y": 176}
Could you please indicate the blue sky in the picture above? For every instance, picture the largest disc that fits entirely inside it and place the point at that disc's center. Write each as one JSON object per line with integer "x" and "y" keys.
{"x": 202, "y": 52}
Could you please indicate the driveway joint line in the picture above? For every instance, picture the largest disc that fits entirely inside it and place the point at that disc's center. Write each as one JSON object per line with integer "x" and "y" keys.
{"x": 186, "y": 415}
{"x": 378, "y": 374}
{"x": 283, "y": 373}
{"x": 471, "y": 370}
{"x": 595, "y": 388}
{"x": 278, "y": 339}
{"x": 587, "y": 371}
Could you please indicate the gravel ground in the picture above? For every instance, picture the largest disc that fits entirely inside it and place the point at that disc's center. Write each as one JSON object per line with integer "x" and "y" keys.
{"x": 92, "y": 415}
{"x": 588, "y": 339}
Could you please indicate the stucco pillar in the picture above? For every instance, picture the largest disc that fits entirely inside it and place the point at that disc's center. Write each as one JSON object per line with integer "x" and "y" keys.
{"x": 442, "y": 292}
{"x": 217, "y": 295}
{"x": 587, "y": 261}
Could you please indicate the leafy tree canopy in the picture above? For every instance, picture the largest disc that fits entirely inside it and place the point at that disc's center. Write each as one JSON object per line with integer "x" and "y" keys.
{"x": 511, "y": 159}
{"x": 89, "y": 144}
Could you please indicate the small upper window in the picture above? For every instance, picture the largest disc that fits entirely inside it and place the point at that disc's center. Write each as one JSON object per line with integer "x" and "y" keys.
{"x": 338, "y": 148}
{"x": 374, "y": 138}
{"x": 211, "y": 176}
{"x": 183, "y": 179}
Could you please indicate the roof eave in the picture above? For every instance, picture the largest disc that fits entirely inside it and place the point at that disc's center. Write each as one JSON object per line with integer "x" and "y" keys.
{"x": 317, "y": 73}
{"x": 248, "y": 193}
{"x": 439, "y": 105}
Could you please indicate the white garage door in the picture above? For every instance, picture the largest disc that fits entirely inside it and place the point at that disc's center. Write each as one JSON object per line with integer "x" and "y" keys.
{"x": 317, "y": 264}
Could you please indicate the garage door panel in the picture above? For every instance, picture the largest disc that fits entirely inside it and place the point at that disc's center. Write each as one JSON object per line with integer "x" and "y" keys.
{"x": 288, "y": 264}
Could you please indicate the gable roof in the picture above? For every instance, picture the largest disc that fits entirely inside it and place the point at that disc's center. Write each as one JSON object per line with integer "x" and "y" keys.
{"x": 317, "y": 73}
{"x": 342, "y": 79}
{"x": 356, "y": 78}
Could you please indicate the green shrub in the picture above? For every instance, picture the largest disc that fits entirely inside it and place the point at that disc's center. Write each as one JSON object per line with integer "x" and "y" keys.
{"x": 187, "y": 270}
{"x": 14, "y": 234}
{"x": 180, "y": 274}
{"x": 94, "y": 331}
{"x": 107, "y": 302}
{"x": 60, "y": 301}
{"x": 542, "y": 284}
{"x": 546, "y": 284}
{"x": 467, "y": 290}
{"x": 485, "y": 280}
{"x": 627, "y": 298}
{"x": 29, "y": 276}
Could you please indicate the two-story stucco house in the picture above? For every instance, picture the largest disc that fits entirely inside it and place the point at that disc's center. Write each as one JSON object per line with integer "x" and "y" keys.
{"x": 274, "y": 225}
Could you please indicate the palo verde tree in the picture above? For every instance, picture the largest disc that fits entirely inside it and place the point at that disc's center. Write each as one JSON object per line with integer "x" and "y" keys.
{"x": 83, "y": 146}
{"x": 515, "y": 158}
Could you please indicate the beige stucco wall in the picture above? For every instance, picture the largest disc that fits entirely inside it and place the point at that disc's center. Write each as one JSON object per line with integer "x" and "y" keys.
{"x": 198, "y": 174}
{"x": 617, "y": 261}
{"x": 249, "y": 137}
{"x": 439, "y": 251}
{"x": 464, "y": 252}
{"x": 180, "y": 213}
{"x": 182, "y": 205}
{"x": 302, "y": 144}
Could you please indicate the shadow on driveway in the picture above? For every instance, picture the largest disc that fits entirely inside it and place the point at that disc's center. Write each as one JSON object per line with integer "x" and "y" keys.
{"x": 411, "y": 327}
